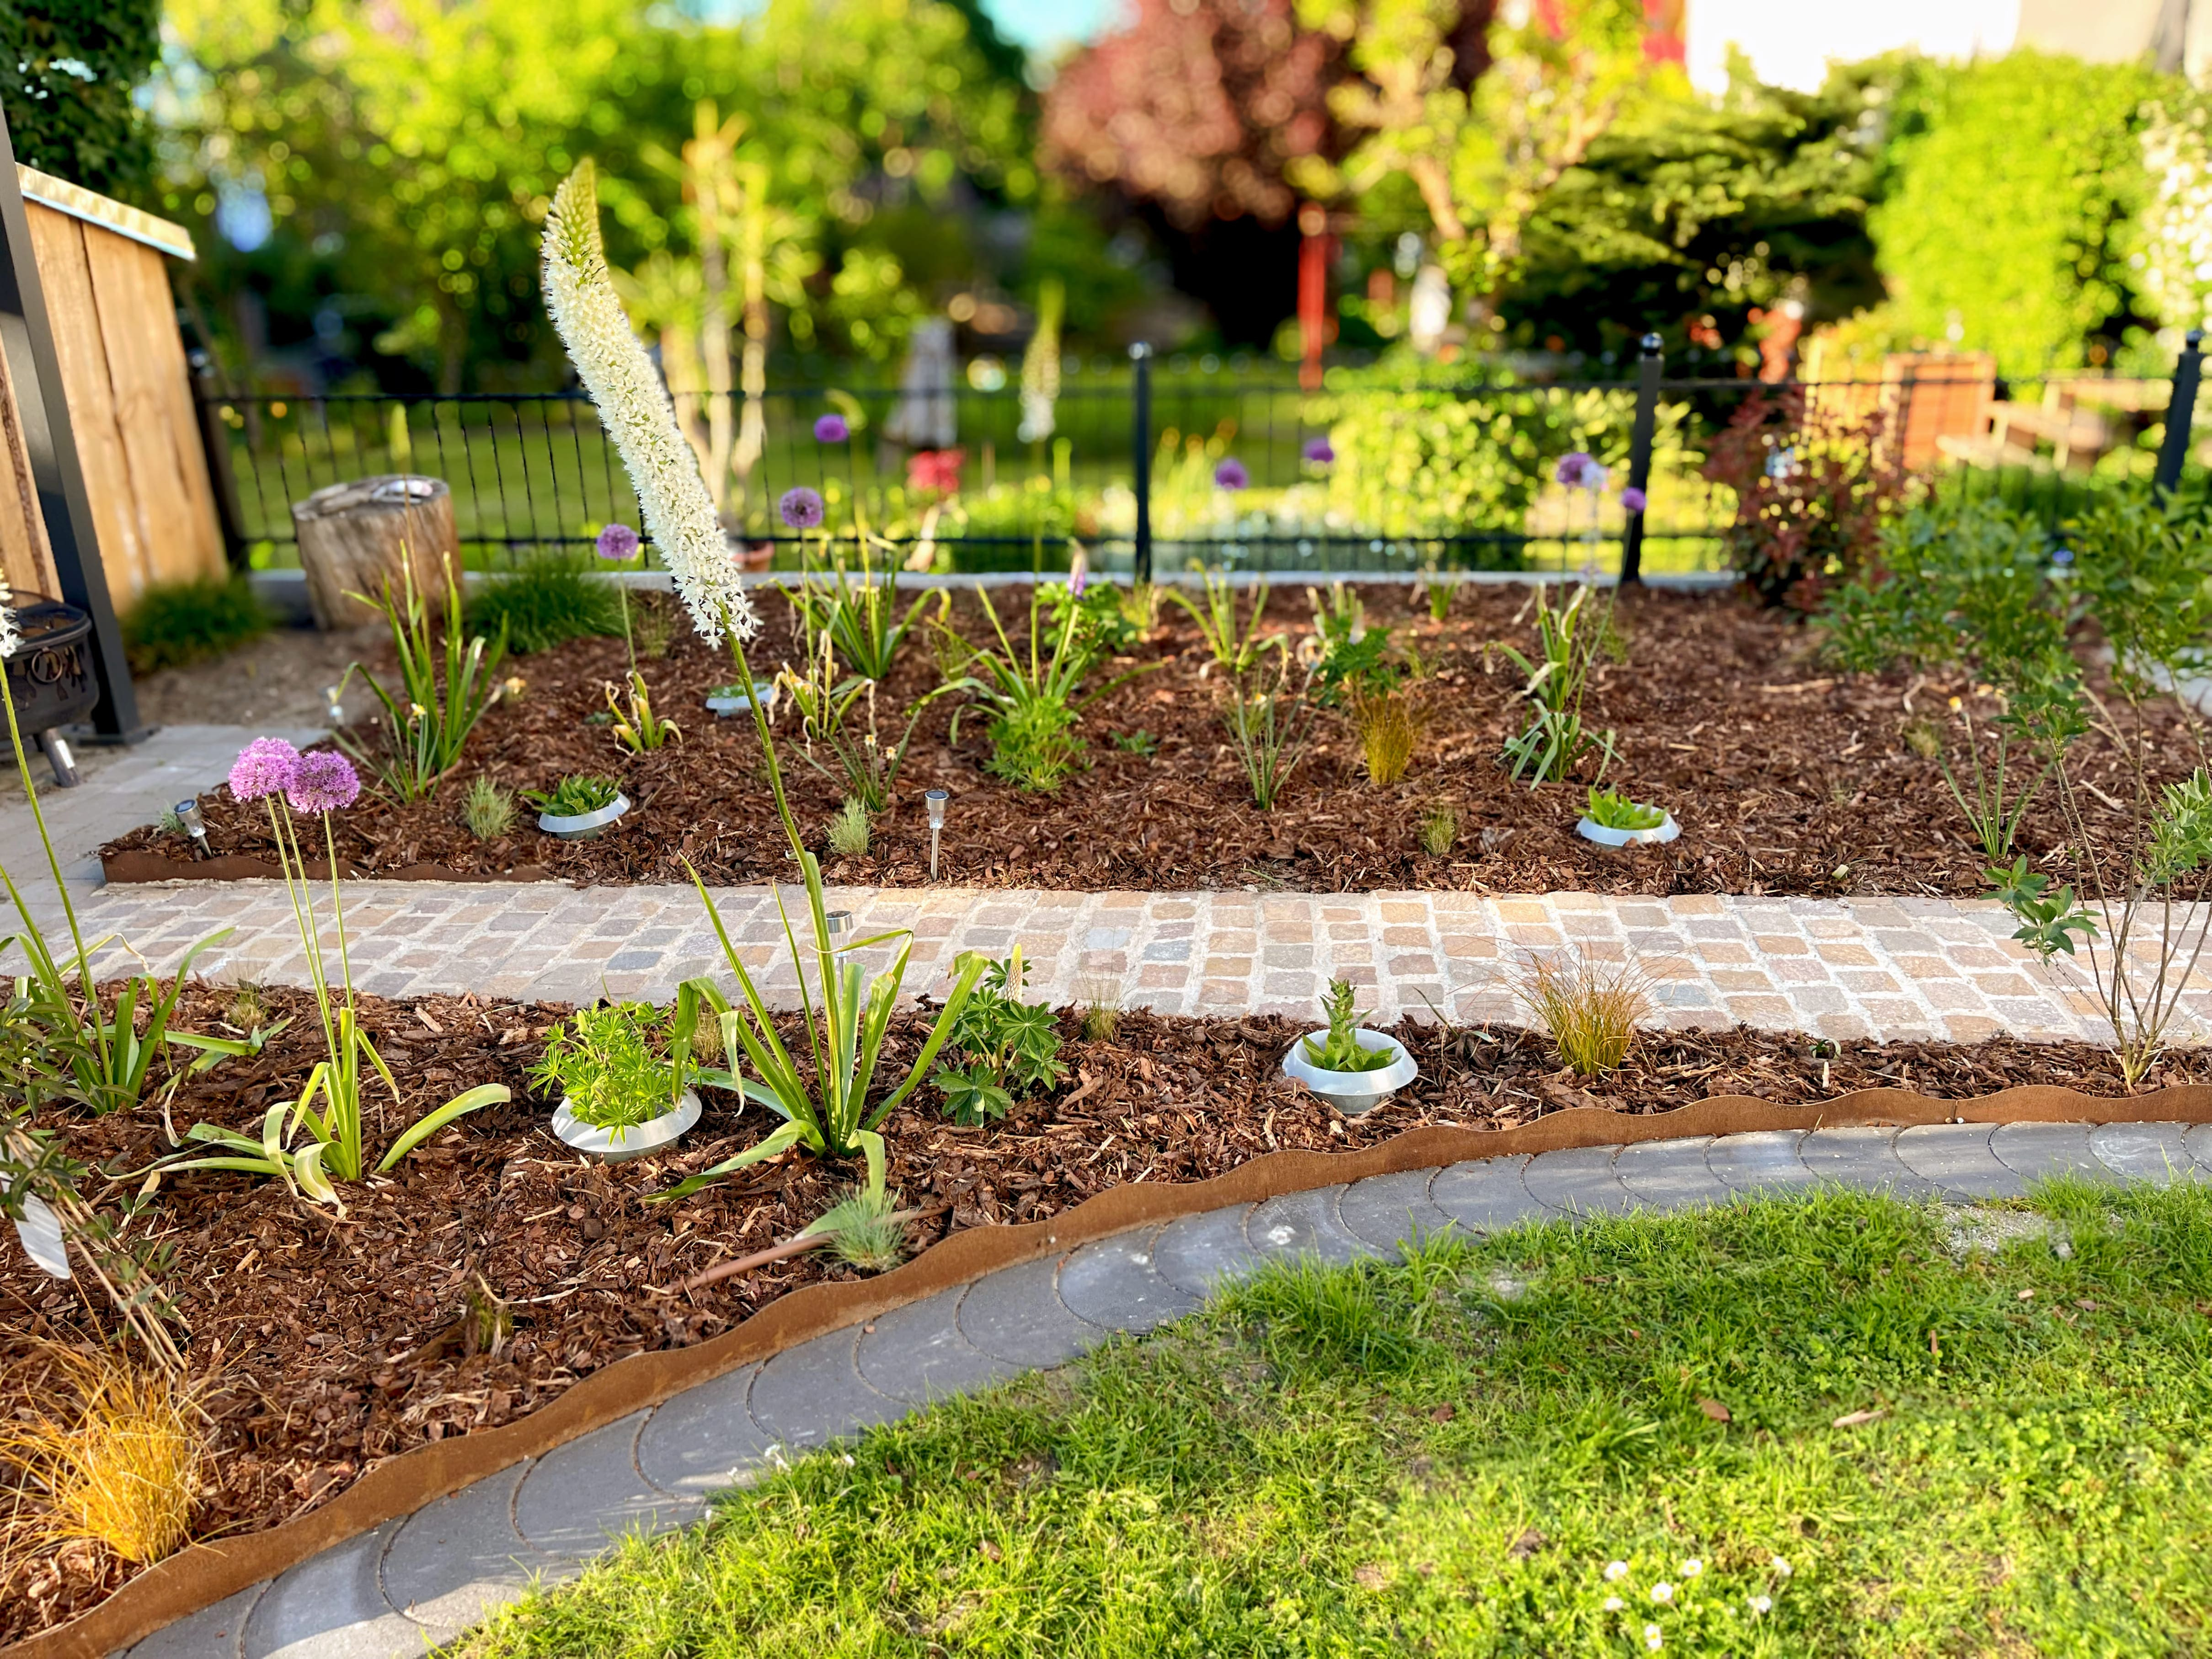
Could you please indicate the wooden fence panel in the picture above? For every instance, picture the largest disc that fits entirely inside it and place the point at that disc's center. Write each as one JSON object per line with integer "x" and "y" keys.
{"x": 25, "y": 559}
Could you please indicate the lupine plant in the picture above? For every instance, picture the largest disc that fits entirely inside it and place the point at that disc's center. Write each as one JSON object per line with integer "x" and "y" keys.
{"x": 292, "y": 786}
{"x": 1008, "y": 1049}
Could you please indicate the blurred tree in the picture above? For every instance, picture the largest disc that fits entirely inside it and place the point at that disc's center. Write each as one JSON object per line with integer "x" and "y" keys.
{"x": 69, "y": 70}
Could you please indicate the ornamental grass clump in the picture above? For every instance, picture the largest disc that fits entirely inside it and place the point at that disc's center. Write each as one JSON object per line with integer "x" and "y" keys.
{"x": 1439, "y": 831}
{"x": 1389, "y": 725}
{"x": 486, "y": 810}
{"x": 1569, "y": 639}
{"x": 120, "y": 1463}
{"x": 1590, "y": 1007}
{"x": 1340, "y": 1049}
{"x": 616, "y": 1067}
{"x": 428, "y": 719}
{"x": 1270, "y": 721}
{"x": 848, "y": 831}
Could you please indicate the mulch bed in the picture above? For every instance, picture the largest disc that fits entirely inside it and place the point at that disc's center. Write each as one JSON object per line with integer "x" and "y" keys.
{"x": 1786, "y": 777}
{"x": 332, "y": 1343}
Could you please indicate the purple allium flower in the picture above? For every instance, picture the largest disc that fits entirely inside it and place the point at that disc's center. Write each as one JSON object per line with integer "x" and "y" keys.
{"x": 617, "y": 541}
{"x": 1319, "y": 452}
{"x": 1231, "y": 475}
{"x": 1632, "y": 500}
{"x": 323, "y": 782}
{"x": 264, "y": 767}
{"x": 1574, "y": 469}
{"x": 800, "y": 508}
{"x": 831, "y": 430}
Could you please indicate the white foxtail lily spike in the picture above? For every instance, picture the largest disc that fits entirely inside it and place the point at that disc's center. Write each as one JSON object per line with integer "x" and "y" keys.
{"x": 634, "y": 410}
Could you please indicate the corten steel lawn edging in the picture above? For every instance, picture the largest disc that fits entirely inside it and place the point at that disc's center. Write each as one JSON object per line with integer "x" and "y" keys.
{"x": 136, "y": 865}
{"x": 202, "y": 1574}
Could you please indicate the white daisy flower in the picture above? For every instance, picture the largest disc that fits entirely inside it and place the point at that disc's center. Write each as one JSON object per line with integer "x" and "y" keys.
{"x": 1662, "y": 1592}
{"x": 1615, "y": 1571}
{"x": 1761, "y": 1603}
{"x": 1693, "y": 1567}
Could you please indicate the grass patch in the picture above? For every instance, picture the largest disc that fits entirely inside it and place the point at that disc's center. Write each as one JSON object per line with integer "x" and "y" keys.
{"x": 1444, "y": 1456}
{"x": 549, "y": 599}
{"x": 178, "y": 622}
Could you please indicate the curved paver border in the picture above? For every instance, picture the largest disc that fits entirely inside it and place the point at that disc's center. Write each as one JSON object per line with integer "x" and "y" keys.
{"x": 1289, "y": 1202}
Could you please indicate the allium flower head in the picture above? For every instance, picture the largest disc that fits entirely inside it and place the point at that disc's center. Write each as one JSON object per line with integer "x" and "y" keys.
{"x": 264, "y": 767}
{"x": 323, "y": 782}
{"x": 1231, "y": 475}
{"x": 1319, "y": 451}
{"x": 800, "y": 508}
{"x": 1633, "y": 499}
{"x": 1573, "y": 470}
{"x": 617, "y": 541}
{"x": 831, "y": 430}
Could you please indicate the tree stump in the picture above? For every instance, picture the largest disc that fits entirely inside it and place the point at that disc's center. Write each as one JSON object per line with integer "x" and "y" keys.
{"x": 358, "y": 537}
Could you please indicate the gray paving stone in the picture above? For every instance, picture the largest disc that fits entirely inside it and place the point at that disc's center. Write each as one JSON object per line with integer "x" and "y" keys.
{"x": 331, "y": 1606}
{"x": 579, "y": 1497}
{"x": 916, "y": 1353}
{"x": 1386, "y": 1209}
{"x": 1761, "y": 1160}
{"x": 1015, "y": 1315}
{"x": 1305, "y": 1226}
{"x": 1112, "y": 1283}
{"x": 704, "y": 1440}
{"x": 1670, "y": 1175}
{"x": 813, "y": 1394}
{"x": 215, "y": 1632}
{"x": 1862, "y": 1157}
{"x": 1956, "y": 1156}
{"x": 1486, "y": 1195}
{"x": 2197, "y": 1137}
{"x": 454, "y": 1561}
{"x": 2030, "y": 1150}
{"x": 1578, "y": 1181}
{"x": 2153, "y": 1152}
{"x": 1200, "y": 1253}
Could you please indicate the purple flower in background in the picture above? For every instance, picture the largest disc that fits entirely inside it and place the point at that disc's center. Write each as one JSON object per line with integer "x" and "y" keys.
{"x": 1231, "y": 475}
{"x": 1632, "y": 500}
{"x": 800, "y": 508}
{"x": 831, "y": 430}
{"x": 264, "y": 767}
{"x": 1574, "y": 469}
{"x": 1319, "y": 452}
{"x": 1078, "y": 576}
{"x": 617, "y": 541}
{"x": 323, "y": 782}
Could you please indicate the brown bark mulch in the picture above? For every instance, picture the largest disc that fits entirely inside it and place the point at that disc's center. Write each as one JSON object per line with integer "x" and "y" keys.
{"x": 332, "y": 1343}
{"x": 1786, "y": 777}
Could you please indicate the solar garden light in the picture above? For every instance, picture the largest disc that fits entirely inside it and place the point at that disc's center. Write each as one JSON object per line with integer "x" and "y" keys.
{"x": 188, "y": 814}
{"x": 838, "y": 927}
{"x": 936, "y": 799}
{"x": 336, "y": 712}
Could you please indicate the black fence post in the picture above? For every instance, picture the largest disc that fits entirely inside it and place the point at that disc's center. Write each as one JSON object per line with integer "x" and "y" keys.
{"x": 215, "y": 443}
{"x": 1140, "y": 445}
{"x": 1649, "y": 363}
{"x": 26, "y": 334}
{"x": 2180, "y": 409}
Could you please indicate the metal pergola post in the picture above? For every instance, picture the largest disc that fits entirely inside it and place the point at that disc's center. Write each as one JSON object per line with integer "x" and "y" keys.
{"x": 26, "y": 338}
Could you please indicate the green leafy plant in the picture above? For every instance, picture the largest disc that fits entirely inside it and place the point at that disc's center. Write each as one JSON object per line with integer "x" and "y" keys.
{"x": 1351, "y": 658}
{"x": 1340, "y": 1050}
{"x": 1270, "y": 722}
{"x": 574, "y": 795}
{"x": 855, "y": 613}
{"x": 1034, "y": 698}
{"x": 1555, "y": 739}
{"x": 1138, "y": 742}
{"x": 1438, "y": 593}
{"x": 430, "y": 716}
{"x": 486, "y": 810}
{"x": 1439, "y": 831}
{"x": 172, "y": 623}
{"x": 2048, "y": 920}
{"x": 607, "y": 1064}
{"x": 1010, "y": 1049}
{"x": 549, "y": 599}
{"x": 867, "y": 767}
{"x": 848, "y": 831}
{"x": 1610, "y": 810}
{"x": 637, "y": 729}
{"x": 1103, "y": 627}
{"x": 1235, "y": 644}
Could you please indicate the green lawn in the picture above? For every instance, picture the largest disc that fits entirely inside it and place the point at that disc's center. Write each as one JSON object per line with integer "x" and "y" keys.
{"x": 1444, "y": 1457}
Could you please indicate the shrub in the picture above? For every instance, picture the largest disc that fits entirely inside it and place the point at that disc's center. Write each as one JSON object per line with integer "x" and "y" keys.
{"x": 177, "y": 622}
{"x": 547, "y": 600}
{"x": 486, "y": 810}
{"x": 1588, "y": 1007}
{"x": 1813, "y": 491}
{"x": 123, "y": 1470}
{"x": 848, "y": 831}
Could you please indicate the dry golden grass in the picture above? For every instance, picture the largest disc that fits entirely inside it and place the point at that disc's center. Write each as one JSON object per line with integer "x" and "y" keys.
{"x": 120, "y": 1464}
{"x": 1587, "y": 1006}
{"x": 1389, "y": 728}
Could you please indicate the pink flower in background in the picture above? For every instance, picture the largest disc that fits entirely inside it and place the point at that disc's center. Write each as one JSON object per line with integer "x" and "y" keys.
{"x": 831, "y": 430}
{"x": 1319, "y": 452}
{"x": 264, "y": 767}
{"x": 617, "y": 541}
{"x": 936, "y": 471}
{"x": 323, "y": 782}
{"x": 1231, "y": 475}
{"x": 1632, "y": 500}
{"x": 800, "y": 508}
{"x": 1575, "y": 469}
